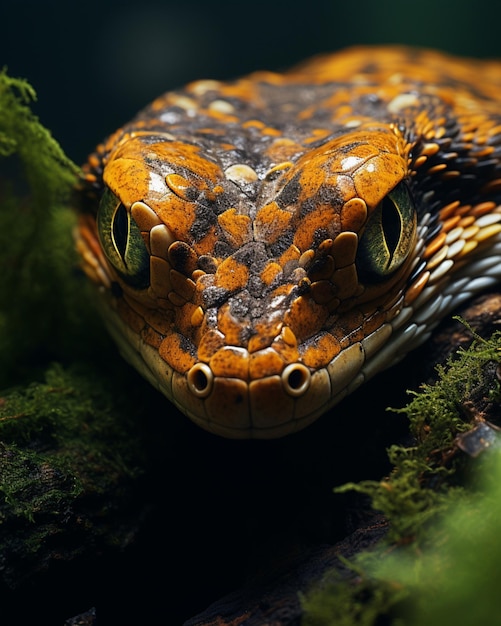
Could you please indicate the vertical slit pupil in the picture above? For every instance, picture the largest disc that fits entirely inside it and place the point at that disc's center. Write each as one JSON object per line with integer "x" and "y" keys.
{"x": 121, "y": 230}
{"x": 391, "y": 223}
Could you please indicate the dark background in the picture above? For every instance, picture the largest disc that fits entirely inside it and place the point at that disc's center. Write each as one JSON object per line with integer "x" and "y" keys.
{"x": 95, "y": 63}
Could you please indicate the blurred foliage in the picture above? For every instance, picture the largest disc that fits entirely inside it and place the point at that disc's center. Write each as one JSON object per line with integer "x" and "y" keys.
{"x": 439, "y": 563}
{"x": 71, "y": 449}
{"x": 41, "y": 304}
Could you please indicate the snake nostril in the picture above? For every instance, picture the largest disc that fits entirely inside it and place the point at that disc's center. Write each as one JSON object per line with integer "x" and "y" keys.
{"x": 296, "y": 379}
{"x": 200, "y": 379}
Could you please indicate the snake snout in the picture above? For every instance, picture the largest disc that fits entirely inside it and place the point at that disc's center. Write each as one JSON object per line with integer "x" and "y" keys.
{"x": 238, "y": 406}
{"x": 296, "y": 379}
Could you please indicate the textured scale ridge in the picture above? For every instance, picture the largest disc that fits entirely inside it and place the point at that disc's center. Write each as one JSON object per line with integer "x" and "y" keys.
{"x": 262, "y": 247}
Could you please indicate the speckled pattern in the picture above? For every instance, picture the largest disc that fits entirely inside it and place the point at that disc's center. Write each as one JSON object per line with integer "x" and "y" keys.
{"x": 263, "y": 246}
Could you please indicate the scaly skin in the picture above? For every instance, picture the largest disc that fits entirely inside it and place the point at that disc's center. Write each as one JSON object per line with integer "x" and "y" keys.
{"x": 263, "y": 246}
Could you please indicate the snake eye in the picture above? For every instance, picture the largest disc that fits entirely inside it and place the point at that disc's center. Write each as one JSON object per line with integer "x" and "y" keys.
{"x": 122, "y": 241}
{"x": 388, "y": 236}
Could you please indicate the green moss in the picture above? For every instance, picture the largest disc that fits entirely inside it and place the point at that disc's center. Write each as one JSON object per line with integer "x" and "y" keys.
{"x": 422, "y": 483}
{"x": 341, "y": 603}
{"x": 453, "y": 580}
{"x": 37, "y": 297}
{"x": 456, "y": 579}
{"x": 60, "y": 431}
{"x": 71, "y": 449}
{"x": 440, "y": 560}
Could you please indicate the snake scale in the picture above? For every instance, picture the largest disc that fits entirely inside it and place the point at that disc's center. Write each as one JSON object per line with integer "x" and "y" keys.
{"x": 263, "y": 246}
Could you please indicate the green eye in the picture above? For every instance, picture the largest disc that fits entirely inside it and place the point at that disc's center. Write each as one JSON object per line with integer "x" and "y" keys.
{"x": 388, "y": 236}
{"x": 122, "y": 241}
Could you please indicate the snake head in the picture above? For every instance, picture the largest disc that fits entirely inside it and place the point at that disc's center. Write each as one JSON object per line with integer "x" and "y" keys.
{"x": 246, "y": 295}
{"x": 262, "y": 247}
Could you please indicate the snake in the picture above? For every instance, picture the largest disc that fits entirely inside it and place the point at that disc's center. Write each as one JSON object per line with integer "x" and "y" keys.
{"x": 260, "y": 247}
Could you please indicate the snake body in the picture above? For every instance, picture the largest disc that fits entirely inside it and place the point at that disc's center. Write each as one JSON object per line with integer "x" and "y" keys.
{"x": 263, "y": 246}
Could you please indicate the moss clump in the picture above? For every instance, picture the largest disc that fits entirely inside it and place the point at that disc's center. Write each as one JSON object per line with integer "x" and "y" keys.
{"x": 440, "y": 559}
{"x": 38, "y": 302}
{"x": 71, "y": 448}
{"x": 55, "y": 447}
{"x": 423, "y": 480}
{"x": 64, "y": 424}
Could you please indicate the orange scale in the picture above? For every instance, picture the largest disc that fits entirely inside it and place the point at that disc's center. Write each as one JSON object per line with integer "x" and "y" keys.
{"x": 378, "y": 177}
{"x": 266, "y": 362}
{"x": 353, "y": 215}
{"x": 271, "y": 222}
{"x": 320, "y": 352}
{"x": 237, "y": 226}
{"x": 207, "y": 244}
{"x": 229, "y": 326}
{"x": 304, "y": 315}
{"x": 128, "y": 178}
{"x": 150, "y": 336}
{"x": 437, "y": 168}
{"x": 178, "y": 215}
{"x": 253, "y": 124}
{"x": 210, "y": 343}
{"x": 420, "y": 161}
{"x": 180, "y": 186}
{"x": 160, "y": 276}
{"x": 483, "y": 208}
{"x": 291, "y": 254}
{"x": 230, "y": 362}
{"x": 416, "y": 288}
{"x": 451, "y": 223}
{"x": 231, "y": 275}
{"x": 197, "y": 316}
{"x": 465, "y": 222}
{"x": 173, "y": 351}
{"x": 323, "y": 215}
{"x": 289, "y": 353}
{"x": 182, "y": 285}
{"x": 435, "y": 245}
{"x": 183, "y": 319}
{"x": 269, "y": 329}
{"x": 270, "y": 272}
